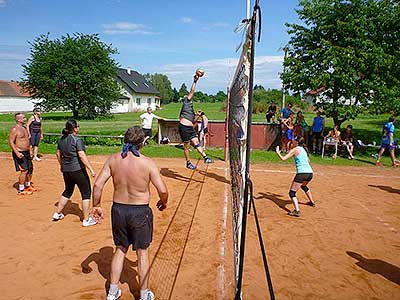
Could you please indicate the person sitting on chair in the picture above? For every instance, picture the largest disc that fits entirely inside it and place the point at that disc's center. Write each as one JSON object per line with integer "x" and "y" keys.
{"x": 333, "y": 138}
{"x": 347, "y": 140}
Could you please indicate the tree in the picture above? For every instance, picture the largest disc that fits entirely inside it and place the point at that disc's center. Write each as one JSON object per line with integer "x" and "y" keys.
{"x": 163, "y": 85}
{"x": 73, "y": 73}
{"x": 183, "y": 91}
{"x": 176, "y": 95}
{"x": 350, "y": 49}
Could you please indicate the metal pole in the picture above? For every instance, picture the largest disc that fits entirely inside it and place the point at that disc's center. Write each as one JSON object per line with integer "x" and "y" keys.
{"x": 247, "y": 9}
{"x": 283, "y": 85}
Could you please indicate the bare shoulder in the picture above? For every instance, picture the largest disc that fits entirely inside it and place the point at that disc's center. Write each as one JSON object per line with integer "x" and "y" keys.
{"x": 148, "y": 161}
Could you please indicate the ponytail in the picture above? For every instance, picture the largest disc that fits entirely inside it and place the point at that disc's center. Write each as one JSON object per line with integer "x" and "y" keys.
{"x": 301, "y": 143}
{"x": 70, "y": 125}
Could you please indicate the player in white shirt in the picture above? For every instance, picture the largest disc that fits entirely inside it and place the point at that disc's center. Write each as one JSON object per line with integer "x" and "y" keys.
{"x": 147, "y": 120}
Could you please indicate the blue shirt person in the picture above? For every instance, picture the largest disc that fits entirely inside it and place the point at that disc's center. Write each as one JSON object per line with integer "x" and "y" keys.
{"x": 388, "y": 143}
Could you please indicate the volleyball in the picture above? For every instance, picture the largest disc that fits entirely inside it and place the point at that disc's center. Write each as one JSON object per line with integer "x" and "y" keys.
{"x": 199, "y": 72}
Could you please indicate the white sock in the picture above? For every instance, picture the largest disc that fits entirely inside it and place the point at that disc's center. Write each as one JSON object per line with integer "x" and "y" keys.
{"x": 27, "y": 183}
{"x": 21, "y": 187}
{"x": 113, "y": 289}
{"x": 143, "y": 294}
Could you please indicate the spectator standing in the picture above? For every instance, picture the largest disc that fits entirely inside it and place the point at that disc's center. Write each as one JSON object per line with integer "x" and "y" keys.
{"x": 317, "y": 128}
{"x": 388, "y": 143}
{"x": 271, "y": 112}
{"x": 35, "y": 132}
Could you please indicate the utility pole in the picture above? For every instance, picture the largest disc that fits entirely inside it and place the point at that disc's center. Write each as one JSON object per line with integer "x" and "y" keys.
{"x": 283, "y": 85}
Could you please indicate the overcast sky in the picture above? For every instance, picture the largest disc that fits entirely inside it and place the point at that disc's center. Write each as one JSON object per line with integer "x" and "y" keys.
{"x": 169, "y": 37}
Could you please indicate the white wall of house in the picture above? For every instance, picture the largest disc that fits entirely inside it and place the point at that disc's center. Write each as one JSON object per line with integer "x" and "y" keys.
{"x": 136, "y": 102}
{"x": 15, "y": 104}
{"x": 319, "y": 98}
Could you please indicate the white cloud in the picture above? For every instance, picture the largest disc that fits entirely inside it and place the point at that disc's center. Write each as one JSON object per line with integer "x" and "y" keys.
{"x": 3, "y": 3}
{"x": 219, "y": 73}
{"x": 186, "y": 20}
{"x": 127, "y": 28}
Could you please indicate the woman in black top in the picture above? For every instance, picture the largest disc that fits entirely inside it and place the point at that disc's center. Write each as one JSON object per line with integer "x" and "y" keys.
{"x": 73, "y": 162}
{"x": 35, "y": 132}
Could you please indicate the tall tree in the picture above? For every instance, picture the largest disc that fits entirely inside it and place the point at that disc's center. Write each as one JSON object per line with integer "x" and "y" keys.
{"x": 350, "y": 49}
{"x": 73, "y": 73}
{"x": 163, "y": 85}
{"x": 183, "y": 91}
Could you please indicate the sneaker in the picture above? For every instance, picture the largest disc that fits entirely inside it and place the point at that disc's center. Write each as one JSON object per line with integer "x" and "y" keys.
{"x": 30, "y": 189}
{"x": 37, "y": 158}
{"x": 24, "y": 193}
{"x": 312, "y": 204}
{"x": 396, "y": 164}
{"x": 149, "y": 296}
{"x": 89, "y": 222}
{"x": 208, "y": 160}
{"x": 114, "y": 297}
{"x": 379, "y": 164}
{"x": 58, "y": 216}
{"x": 190, "y": 166}
{"x": 294, "y": 213}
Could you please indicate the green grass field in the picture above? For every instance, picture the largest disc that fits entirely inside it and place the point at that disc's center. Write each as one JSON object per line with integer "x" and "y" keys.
{"x": 365, "y": 127}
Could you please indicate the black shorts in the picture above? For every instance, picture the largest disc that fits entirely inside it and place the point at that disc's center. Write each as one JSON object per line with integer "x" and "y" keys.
{"x": 132, "y": 225}
{"x": 187, "y": 133}
{"x": 35, "y": 139}
{"x": 205, "y": 130}
{"x": 24, "y": 163}
{"x": 79, "y": 178}
{"x": 147, "y": 132}
{"x": 301, "y": 177}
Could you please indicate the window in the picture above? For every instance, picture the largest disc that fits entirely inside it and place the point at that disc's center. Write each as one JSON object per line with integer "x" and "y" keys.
{"x": 145, "y": 83}
{"x": 134, "y": 83}
{"x": 137, "y": 101}
{"x": 148, "y": 101}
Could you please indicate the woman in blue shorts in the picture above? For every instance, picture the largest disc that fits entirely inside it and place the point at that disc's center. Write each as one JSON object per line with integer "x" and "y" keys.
{"x": 304, "y": 173}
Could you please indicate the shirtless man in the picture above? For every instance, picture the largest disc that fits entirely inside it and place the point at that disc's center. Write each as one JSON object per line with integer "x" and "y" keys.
{"x": 188, "y": 135}
{"x": 22, "y": 154}
{"x": 131, "y": 216}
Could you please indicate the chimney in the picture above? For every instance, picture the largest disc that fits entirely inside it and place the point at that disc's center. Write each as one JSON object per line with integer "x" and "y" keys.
{"x": 128, "y": 70}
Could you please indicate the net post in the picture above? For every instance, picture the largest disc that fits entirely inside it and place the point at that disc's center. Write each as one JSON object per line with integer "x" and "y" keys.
{"x": 226, "y": 148}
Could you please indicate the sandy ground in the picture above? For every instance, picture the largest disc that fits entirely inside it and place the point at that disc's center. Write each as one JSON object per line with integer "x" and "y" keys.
{"x": 347, "y": 247}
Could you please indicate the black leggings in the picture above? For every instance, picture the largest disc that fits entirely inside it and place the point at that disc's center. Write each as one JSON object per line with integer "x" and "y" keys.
{"x": 79, "y": 178}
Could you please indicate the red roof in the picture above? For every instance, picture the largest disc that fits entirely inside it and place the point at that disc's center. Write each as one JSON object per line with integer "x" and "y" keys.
{"x": 11, "y": 88}
{"x": 315, "y": 92}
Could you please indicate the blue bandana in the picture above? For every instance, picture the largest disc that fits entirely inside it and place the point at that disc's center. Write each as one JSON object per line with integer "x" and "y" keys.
{"x": 132, "y": 148}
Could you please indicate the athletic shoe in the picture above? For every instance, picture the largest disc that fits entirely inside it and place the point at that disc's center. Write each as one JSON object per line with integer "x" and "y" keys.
{"x": 208, "y": 160}
{"x": 149, "y": 296}
{"x": 190, "y": 166}
{"x": 89, "y": 222}
{"x": 114, "y": 297}
{"x": 58, "y": 216}
{"x": 294, "y": 213}
{"x": 24, "y": 193}
{"x": 396, "y": 164}
{"x": 312, "y": 204}
{"x": 30, "y": 189}
{"x": 37, "y": 158}
{"x": 379, "y": 164}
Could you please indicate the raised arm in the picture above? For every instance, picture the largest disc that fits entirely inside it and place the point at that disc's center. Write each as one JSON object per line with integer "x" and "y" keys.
{"x": 193, "y": 88}
{"x": 159, "y": 184}
{"x": 287, "y": 156}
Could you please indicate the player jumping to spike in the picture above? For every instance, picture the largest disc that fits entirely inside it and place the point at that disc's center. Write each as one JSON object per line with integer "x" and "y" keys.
{"x": 186, "y": 122}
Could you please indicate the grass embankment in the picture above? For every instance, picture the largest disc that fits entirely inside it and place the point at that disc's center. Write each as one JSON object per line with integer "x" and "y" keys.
{"x": 365, "y": 127}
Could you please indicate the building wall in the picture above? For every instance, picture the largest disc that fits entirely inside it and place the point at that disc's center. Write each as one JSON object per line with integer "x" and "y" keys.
{"x": 136, "y": 102}
{"x": 15, "y": 104}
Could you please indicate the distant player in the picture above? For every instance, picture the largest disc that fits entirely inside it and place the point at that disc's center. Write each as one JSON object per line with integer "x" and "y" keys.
{"x": 304, "y": 173}
{"x": 131, "y": 216}
{"x": 147, "y": 121}
{"x": 186, "y": 126}
{"x": 22, "y": 154}
{"x": 388, "y": 143}
{"x": 202, "y": 128}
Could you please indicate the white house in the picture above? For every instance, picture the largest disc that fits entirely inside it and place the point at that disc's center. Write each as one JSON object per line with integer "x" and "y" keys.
{"x": 317, "y": 96}
{"x": 13, "y": 99}
{"x": 137, "y": 93}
